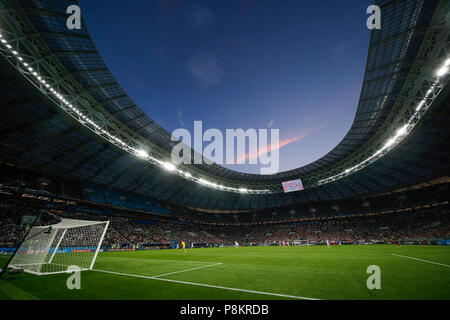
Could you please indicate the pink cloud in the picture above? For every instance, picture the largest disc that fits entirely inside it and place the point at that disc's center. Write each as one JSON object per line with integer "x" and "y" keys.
{"x": 282, "y": 143}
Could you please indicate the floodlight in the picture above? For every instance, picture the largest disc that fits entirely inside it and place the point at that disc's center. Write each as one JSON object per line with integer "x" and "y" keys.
{"x": 140, "y": 153}
{"x": 402, "y": 131}
{"x": 443, "y": 70}
{"x": 169, "y": 166}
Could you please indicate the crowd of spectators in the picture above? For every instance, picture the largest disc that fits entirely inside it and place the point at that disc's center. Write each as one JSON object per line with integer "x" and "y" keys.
{"x": 423, "y": 225}
{"x": 344, "y": 221}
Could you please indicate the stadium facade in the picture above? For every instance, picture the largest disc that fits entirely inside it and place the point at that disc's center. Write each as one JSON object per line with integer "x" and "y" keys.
{"x": 66, "y": 117}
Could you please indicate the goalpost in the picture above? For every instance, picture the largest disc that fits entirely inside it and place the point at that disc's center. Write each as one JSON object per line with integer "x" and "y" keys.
{"x": 54, "y": 248}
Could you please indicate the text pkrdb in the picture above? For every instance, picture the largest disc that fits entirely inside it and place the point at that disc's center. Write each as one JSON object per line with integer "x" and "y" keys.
{"x": 259, "y": 148}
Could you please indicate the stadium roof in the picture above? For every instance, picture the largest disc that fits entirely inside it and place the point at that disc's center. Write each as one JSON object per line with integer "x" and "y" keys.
{"x": 41, "y": 130}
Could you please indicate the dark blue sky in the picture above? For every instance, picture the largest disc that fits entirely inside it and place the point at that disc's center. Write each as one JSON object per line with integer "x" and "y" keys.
{"x": 295, "y": 65}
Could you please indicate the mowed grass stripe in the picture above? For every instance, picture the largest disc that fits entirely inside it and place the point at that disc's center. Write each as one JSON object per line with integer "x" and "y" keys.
{"x": 338, "y": 272}
{"x": 149, "y": 267}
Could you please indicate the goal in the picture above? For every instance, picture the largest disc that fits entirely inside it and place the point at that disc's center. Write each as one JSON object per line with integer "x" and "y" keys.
{"x": 301, "y": 242}
{"x": 54, "y": 248}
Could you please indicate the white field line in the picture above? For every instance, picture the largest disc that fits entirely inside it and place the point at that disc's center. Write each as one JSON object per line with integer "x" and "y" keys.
{"x": 207, "y": 285}
{"x": 166, "y": 274}
{"x": 156, "y": 259}
{"x": 440, "y": 264}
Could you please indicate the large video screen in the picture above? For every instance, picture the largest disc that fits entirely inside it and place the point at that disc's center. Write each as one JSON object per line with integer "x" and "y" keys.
{"x": 293, "y": 185}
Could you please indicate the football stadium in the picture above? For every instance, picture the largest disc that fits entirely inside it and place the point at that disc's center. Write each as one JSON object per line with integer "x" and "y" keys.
{"x": 94, "y": 206}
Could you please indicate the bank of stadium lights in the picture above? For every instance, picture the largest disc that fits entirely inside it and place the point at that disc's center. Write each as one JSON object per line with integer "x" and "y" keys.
{"x": 172, "y": 168}
{"x": 401, "y": 132}
{"x": 390, "y": 143}
{"x": 444, "y": 69}
{"x": 141, "y": 153}
{"x": 225, "y": 188}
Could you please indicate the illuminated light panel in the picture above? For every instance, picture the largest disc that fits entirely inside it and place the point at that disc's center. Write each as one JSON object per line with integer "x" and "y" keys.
{"x": 401, "y": 132}
{"x": 443, "y": 70}
{"x": 142, "y": 154}
{"x": 169, "y": 166}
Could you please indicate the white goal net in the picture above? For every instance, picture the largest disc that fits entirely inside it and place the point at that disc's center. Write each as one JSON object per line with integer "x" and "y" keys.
{"x": 301, "y": 242}
{"x": 54, "y": 248}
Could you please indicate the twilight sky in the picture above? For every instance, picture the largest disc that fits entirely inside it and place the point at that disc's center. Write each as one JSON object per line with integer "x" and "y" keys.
{"x": 294, "y": 65}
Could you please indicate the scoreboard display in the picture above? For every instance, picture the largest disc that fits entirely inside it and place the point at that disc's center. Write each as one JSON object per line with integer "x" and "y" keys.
{"x": 293, "y": 185}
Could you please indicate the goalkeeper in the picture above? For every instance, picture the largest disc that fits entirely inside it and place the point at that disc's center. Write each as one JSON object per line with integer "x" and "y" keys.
{"x": 183, "y": 246}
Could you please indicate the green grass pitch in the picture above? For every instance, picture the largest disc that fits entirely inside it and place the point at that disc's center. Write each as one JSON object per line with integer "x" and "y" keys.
{"x": 319, "y": 272}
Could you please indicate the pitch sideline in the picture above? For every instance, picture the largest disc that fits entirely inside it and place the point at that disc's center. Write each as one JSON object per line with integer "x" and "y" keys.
{"x": 207, "y": 285}
{"x": 180, "y": 271}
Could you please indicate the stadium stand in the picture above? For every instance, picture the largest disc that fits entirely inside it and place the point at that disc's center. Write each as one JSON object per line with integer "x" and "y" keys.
{"x": 74, "y": 145}
{"x": 416, "y": 215}
{"x": 119, "y": 199}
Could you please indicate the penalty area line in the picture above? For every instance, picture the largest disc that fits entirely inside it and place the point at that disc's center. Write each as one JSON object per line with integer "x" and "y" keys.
{"x": 440, "y": 264}
{"x": 206, "y": 285}
{"x": 166, "y": 274}
{"x": 162, "y": 260}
